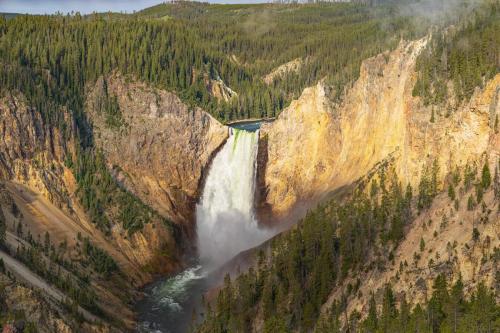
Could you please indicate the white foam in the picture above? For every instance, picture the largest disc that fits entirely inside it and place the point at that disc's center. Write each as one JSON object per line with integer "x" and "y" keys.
{"x": 226, "y": 223}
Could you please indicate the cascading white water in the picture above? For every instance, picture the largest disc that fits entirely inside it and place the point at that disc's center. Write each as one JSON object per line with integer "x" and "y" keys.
{"x": 226, "y": 223}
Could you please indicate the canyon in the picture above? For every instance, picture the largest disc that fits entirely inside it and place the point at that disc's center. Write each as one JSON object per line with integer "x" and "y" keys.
{"x": 163, "y": 149}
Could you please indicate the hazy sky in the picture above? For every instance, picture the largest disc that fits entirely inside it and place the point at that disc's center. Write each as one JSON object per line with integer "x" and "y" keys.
{"x": 87, "y": 6}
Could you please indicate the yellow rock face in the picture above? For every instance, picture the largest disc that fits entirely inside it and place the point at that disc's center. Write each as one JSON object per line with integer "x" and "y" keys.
{"x": 315, "y": 146}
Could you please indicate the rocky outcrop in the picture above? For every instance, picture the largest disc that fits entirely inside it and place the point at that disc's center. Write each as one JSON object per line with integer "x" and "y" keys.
{"x": 290, "y": 67}
{"x": 21, "y": 299}
{"x": 164, "y": 148}
{"x": 31, "y": 152}
{"x": 316, "y": 146}
{"x": 220, "y": 90}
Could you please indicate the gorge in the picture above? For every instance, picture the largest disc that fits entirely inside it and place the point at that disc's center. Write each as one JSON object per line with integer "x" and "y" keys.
{"x": 137, "y": 193}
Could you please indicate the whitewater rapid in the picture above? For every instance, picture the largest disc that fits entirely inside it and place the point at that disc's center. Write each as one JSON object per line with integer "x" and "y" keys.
{"x": 225, "y": 216}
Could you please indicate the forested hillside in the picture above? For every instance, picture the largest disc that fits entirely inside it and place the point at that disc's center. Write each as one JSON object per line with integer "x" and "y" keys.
{"x": 179, "y": 47}
{"x": 337, "y": 244}
{"x": 466, "y": 55}
{"x": 330, "y": 40}
{"x": 182, "y": 46}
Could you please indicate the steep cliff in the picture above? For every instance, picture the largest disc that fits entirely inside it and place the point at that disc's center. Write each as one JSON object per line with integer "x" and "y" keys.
{"x": 161, "y": 151}
{"x": 316, "y": 146}
{"x": 31, "y": 152}
{"x": 32, "y": 166}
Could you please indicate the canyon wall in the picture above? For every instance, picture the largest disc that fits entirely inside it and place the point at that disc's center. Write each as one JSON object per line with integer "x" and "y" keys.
{"x": 316, "y": 146}
{"x": 161, "y": 152}
{"x": 31, "y": 152}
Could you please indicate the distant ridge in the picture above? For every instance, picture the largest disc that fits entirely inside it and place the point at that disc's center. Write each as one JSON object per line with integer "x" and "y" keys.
{"x": 8, "y": 15}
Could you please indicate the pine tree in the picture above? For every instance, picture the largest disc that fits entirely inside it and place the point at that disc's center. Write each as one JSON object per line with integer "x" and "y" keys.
{"x": 470, "y": 203}
{"x": 389, "y": 311}
{"x": 371, "y": 322}
{"x": 456, "y": 304}
{"x": 451, "y": 192}
{"x": 3, "y": 228}
{"x": 422, "y": 245}
{"x": 496, "y": 183}
{"x": 486, "y": 176}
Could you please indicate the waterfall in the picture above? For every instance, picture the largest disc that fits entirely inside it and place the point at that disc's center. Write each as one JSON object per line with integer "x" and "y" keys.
{"x": 225, "y": 218}
{"x": 226, "y": 225}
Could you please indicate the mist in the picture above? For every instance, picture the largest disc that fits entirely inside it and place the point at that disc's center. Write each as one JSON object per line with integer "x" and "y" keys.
{"x": 437, "y": 11}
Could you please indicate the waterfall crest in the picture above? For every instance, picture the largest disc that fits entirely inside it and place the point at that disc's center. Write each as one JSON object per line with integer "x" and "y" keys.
{"x": 225, "y": 217}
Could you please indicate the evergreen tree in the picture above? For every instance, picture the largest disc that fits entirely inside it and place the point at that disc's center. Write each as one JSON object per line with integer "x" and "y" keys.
{"x": 371, "y": 322}
{"x": 3, "y": 228}
{"x": 389, "y": 311}
{"x": 486, "y": 176}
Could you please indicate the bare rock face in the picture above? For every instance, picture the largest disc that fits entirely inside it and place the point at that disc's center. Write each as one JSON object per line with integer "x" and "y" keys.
{"x": 30, "y": 152}
{"x": 301, "y": 151}
{"x": 220, "y": 90}
{"x": 20, "y": 298}
{"x": 161, "y": 152}
{"x": 315, "y": 146}
{"x": 290, "y": 67}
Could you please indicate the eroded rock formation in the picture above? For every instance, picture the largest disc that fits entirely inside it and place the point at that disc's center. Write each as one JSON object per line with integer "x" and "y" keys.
{"x": 316, "y": 146}
{"x": 293, "y": 66}
{"x": 162, "y": 151}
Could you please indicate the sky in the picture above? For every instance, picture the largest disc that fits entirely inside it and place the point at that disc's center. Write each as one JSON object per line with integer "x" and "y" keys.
{"x": 87, "y": 6}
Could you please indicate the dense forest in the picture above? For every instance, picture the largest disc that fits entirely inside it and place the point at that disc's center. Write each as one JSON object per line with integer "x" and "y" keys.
{"x": 258, "y": 39}
{"x": 180, "y": 47}
{"x": 466, "y": 56}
